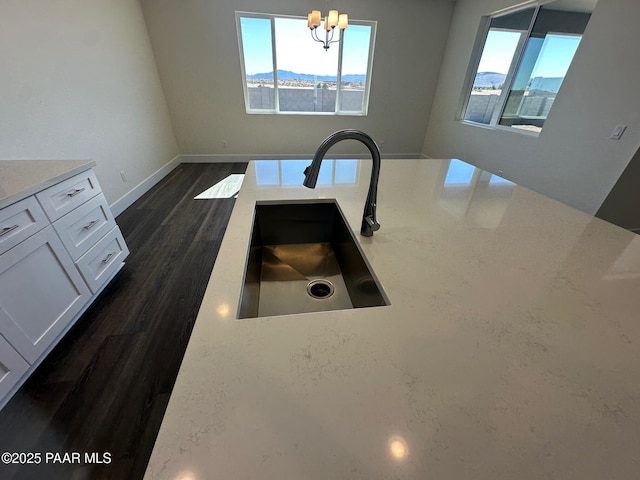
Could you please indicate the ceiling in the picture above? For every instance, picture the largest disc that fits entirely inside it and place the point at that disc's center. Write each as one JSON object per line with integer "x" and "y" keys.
{"x": 573, "y": 5}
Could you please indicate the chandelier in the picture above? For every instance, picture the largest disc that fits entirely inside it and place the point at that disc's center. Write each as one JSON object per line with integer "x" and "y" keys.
{"x": 331, "y": 21}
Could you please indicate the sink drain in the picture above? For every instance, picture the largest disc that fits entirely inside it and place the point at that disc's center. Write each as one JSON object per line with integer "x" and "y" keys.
{"x": 320, "y": 289}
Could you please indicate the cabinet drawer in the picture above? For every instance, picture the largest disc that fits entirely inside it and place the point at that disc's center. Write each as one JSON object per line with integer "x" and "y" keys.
{"x": 41, "y": 291}
{"x": 12, "y": 367}
{"x": 103, "y": 259}
{"x": 20, "y": 221}
{"x": 84, "y": 226}
{"x": 63, "y": 197}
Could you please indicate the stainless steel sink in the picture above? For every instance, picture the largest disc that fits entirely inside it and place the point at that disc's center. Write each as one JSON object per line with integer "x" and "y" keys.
{"x": 303, "y": 257}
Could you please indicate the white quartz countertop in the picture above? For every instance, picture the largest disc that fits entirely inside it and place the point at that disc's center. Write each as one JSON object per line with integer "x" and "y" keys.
{"x": 510, "y": 349}
{"x": 21, "y": 178}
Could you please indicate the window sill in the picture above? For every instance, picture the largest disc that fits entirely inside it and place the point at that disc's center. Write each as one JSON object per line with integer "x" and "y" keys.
{"x": 502, "y": 128}
{"x": 313, "y": 114}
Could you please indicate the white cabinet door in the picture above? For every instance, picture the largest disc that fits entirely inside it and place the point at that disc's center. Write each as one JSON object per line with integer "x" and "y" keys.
{"x": 12, "y": 367}
{"x": 40, "y": 293}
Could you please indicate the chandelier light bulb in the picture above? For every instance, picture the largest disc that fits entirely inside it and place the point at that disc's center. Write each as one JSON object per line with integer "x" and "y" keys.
{"x": 343, "y": 21}
{"x": 333, "y": 18}
{"x": 315, "y": 18}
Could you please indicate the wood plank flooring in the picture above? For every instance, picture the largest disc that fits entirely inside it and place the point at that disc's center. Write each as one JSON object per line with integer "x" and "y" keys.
{"x": 106, "y": 385}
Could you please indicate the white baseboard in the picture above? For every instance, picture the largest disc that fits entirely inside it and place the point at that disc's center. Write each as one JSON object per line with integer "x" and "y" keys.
{"x": 136, "y": 192}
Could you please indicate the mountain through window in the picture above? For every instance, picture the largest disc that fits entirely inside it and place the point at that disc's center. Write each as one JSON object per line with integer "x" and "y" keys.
{"x": 524, "y": 59}
{"x": 285, "y": 71}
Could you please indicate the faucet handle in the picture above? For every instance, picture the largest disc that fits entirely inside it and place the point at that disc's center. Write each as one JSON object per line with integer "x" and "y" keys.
{"x": 369, "y": 225}
{"x": 373, "y": 224}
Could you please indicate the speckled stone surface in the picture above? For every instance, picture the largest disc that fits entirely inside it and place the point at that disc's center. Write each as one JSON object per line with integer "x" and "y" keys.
{"x": 21, "y": 178}
{"x": 510, "y": 349}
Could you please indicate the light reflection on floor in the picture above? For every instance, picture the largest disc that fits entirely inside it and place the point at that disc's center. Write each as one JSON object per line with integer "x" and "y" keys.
{"x": 226, "y": 188}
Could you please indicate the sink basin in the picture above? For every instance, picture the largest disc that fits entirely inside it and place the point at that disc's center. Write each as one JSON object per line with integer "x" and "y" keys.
{"x": 302, "y": 258}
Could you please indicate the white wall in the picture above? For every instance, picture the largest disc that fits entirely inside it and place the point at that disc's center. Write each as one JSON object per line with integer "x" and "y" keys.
{"x": 196, "y": 48}
{"x": 573, "y": 159}
{"x": 79, "y": 81}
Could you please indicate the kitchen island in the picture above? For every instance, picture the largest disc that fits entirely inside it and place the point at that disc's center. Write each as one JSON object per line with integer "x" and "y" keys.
{"x": 509, "y": 349}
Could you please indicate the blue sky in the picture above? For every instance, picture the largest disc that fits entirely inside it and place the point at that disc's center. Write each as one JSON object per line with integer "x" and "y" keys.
{"x": 553, "y": 61}
{"x": 556, "y": 55}
{"x": 297, "y": 52}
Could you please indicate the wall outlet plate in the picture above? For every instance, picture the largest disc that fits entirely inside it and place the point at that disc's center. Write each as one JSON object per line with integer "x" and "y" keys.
{"x": 618, "y": 131}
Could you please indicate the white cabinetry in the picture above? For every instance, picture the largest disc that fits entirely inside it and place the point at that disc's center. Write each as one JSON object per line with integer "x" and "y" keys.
{"x": 12, "y": 367}
{"x": 67, "y": 195}
{"x": 40, "y": 293}
{"x": 103, "y": 259}
{"x": 58, "y": 250}
{"x": 84, "y": 226}
{"x": 19, "y": 221}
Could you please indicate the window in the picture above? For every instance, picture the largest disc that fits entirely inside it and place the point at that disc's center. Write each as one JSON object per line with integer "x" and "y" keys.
{"x": 523, "y": 61}
{"x": 285, "y": 71}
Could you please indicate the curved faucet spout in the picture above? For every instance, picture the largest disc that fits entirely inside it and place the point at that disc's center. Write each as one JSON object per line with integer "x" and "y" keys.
{"x": 369, "y": 222}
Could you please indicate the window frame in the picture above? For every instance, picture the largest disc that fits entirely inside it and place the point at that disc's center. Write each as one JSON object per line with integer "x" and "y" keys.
{"x": 478, "y": 49}
{"x": 276, "y": 111}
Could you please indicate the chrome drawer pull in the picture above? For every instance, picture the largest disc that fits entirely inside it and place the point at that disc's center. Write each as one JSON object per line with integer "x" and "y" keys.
{"x": 107, "y": 258}
{"x": 76, "y": 192}
{"x": 91, "y": 224}
{"x": 6, "y": 230}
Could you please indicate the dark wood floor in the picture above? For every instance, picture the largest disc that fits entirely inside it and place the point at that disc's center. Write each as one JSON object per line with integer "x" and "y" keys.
{"x": 106, "y": 385}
